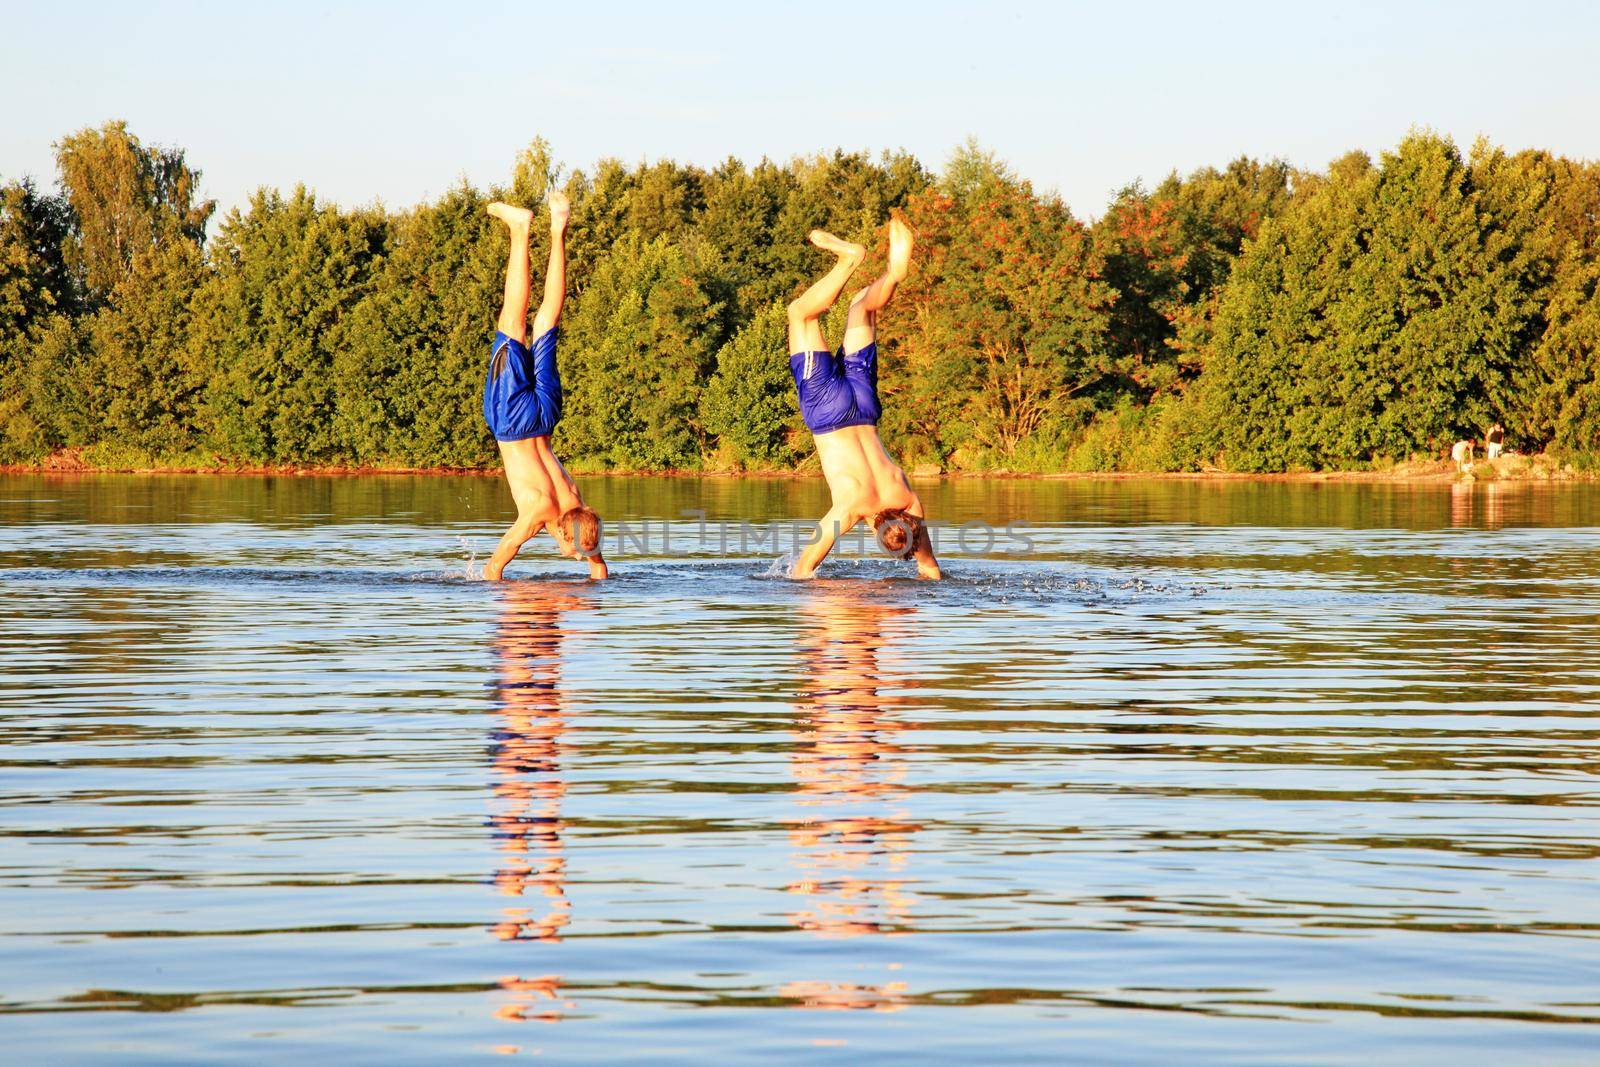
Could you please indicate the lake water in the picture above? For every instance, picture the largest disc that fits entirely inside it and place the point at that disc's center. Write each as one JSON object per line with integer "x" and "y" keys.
{"x": 1211, "y": 773}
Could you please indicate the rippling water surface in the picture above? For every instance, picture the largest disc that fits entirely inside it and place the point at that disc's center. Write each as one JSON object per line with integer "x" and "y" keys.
{"x": 1215, "y": 773}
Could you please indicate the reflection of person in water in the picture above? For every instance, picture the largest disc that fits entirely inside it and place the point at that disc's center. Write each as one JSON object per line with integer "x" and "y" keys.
{"x": 527, "y": 752}
{"x": 1482, "y": 504}
{"x": 852, "y": 840}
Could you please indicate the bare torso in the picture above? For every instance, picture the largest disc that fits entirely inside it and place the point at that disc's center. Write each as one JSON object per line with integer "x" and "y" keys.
{"x": 540, "y": 485}
{"x": 544, "y": 491}
{"x": 861, "y": 476}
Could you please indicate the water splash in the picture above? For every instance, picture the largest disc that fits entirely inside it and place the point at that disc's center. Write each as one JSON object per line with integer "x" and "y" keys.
{"x": 470, "y": 571}
{"x": 782, "y": 567}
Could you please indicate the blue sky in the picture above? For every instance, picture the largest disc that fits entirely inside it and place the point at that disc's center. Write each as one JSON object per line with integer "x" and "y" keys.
{"x": 369, "y": 102}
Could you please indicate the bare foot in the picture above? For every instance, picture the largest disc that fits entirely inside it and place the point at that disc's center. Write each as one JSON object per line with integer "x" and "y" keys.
{"x": 518, "y": 218}
{"x": 900, "y": 242}
{"x": 560, "y": 210}
{"x": 841, "y": 248}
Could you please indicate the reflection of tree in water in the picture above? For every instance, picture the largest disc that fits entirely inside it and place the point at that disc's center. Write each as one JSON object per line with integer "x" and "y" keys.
{"x": 852, "y": 840}
{"x": 526, "y": 753}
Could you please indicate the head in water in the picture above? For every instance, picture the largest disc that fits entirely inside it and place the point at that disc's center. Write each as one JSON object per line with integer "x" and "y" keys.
{"x": 577, "y": 531}
{"x": 898, "y": 532}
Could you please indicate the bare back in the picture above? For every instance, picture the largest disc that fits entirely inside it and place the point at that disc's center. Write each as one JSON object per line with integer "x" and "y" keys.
{"x": 532, "y": 487}
{"x": 862, "y": 477}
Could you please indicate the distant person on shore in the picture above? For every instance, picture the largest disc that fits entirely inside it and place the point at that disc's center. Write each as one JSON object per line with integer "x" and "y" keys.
{"x": 1494, "y": 441}
{"x": 522, "y": 403}
{"x": 1461, "y": 454}
{"x": 839, "y": 401}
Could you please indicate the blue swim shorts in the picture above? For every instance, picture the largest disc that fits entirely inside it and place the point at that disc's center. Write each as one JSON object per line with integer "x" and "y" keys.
{"x": 522, "y": 391}
{"x": 837, "y": 390}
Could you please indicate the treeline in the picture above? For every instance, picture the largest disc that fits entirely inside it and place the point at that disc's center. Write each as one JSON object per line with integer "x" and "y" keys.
{"x": 1252, "y": 318}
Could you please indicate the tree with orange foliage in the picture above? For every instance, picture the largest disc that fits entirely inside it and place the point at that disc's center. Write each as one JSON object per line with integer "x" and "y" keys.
{"x": 1168, "y": 251}
{"x": 1002, "y": 336}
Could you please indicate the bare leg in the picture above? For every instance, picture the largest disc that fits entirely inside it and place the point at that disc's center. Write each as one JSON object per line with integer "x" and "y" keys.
{"x": 861, "y": 328}
{"x": 805, "y": 331}
{"x": 555, "y": 275}
{"x": 514, "y": 309}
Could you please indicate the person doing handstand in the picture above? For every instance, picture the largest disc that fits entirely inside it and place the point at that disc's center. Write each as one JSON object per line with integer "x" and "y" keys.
{"x": 840, "y": 405}
{"x": 522, "y": 403}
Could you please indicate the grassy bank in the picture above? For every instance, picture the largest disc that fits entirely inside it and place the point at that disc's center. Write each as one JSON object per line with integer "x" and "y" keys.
{"x": 1507, "y": 468}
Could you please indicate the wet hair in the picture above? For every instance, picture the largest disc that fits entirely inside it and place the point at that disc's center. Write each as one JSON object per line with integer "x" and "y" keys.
{"x": 581, "y": 526}
{"x": 898, "y": 532}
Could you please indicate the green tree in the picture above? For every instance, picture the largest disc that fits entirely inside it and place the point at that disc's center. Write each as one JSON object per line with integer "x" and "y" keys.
{"x": 1376, "y": 320}
{"x": 974, "y": 173}
{"x": 1547, "y": 212}
{"x": 534, "y": 173}
{"x": 138, "y": 373}
{"x": 750, "y": 403}
{"x": 741, "y": 214}
{"x": 268, "y": 323}
{"x": 410, "y": 360}
{"x": 45, "y": 404}
{"x": 125, "y": 199}
{"x": 1564, "y": 399}
{"x": 665, "y": 199}
{"x": 599, "y": 218}
{"x": 35, "y": 289}
{"x": 1559, "y": 390}
{"x": 636, "y": 350}
{"x": 34, "y": 280}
